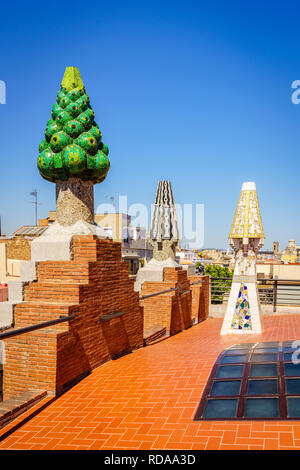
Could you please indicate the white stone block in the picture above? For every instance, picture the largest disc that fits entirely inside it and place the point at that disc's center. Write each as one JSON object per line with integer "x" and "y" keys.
{"x": 56, "y": 242}
{"x": 6, "y": 314}
{"x": 153, "y": 271}
{"x": 15, "y": 291}
{"x": 51, "y": 249}
{"x": 27, "y": 271}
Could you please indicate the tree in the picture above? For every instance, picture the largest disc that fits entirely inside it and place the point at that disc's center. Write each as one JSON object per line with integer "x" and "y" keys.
{"x": 214, "y": 270}
{"x": 219, "y": 286}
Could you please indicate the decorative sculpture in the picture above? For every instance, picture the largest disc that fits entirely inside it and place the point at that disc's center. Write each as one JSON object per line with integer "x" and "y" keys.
{"x": 72, "y": 154}
{"x": 164, "y": 233}
{"x": 163, "y": 236}
{"x": 246, "y": 238}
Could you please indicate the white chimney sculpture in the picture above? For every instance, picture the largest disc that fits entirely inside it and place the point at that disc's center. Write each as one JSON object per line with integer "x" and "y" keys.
{"x": 246, "y": 238}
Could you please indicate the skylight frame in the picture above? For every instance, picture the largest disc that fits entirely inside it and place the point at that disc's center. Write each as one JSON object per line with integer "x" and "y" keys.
{"x": 250, "y": 350}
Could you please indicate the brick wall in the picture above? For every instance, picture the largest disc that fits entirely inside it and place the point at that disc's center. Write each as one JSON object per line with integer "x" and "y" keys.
{"x": 172, "y": 310}
{"x": 175, "y": 310}
{"x": 17, "y": 248}
{"x": 95, "y": 283}
{"x": 1, "y": 382}
{"x": 200, "y": 298}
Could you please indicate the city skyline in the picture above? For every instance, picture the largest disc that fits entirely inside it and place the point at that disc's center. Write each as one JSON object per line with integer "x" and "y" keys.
{"x": 199, "y": 95}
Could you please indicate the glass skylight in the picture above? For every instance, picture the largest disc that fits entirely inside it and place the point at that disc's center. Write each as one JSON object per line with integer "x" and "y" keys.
{"x": 253, "y": 381}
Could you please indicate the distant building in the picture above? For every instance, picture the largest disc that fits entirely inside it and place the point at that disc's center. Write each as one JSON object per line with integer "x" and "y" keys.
{"x": 137, "y": 253}
{"x": 49, "y": 220}
{"x": 184, "y": 255}
{"x": 30, "y": 231}
{"x": 218, "y": 257}
{"x": 12, "y": 251}
{"x": 187, "y": 258}
{"x": 291, "y": 252}
{"x": 137, "y": 233}
{"x": 271, "y": 268}
{"x": 116, "y": 224}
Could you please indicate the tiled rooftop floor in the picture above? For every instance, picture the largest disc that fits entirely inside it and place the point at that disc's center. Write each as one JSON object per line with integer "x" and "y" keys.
{"x": 148, "y": 399}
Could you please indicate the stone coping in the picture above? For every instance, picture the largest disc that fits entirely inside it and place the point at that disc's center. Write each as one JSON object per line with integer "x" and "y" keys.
{"x": 10, "y": 409}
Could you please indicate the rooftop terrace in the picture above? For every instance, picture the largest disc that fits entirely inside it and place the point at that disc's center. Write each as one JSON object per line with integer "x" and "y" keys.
{"x": 149, "y": 398}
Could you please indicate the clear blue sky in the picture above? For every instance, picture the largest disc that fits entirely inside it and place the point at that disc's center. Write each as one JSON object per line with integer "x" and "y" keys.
{"x": 195, "y": 92}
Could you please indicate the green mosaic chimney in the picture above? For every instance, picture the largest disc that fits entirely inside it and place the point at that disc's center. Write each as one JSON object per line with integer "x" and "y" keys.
{"x": 73, "y": 147}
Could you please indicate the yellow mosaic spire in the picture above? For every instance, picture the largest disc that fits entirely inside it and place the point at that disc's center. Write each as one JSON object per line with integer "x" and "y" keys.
{"x": 72, "y": 79}
{"x": 247, "y": 220}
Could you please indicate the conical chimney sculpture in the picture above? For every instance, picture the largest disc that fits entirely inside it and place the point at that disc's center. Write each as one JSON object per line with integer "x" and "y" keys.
{"x": 246, "y": 238}
{"x": 73, "y": 156}
{"x": 163, "y": 235}
{"x": 164, "y": 232}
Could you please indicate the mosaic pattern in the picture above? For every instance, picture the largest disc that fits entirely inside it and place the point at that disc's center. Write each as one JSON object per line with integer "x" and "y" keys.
{"x": 72, "y": 146}
{"x": 246, "y": 238}
{"x": 163, "y": 232}
{"x": 164, "y": 225}
{"x": 241, "y": 318}
{"x": 245, "y": 264}
{"x": 247, "y": 220}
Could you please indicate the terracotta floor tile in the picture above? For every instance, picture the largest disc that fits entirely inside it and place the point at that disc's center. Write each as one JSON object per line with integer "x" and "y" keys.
{"x": 244, "y": 430}
{"x": 286, "y": 439}
{"x": 210, "y": 433}
{"x": 198, "y": 446}
{"x": 146, "y": 445}
{"x": 249, "y": 441}
{"x": 97, "y": 444}
{"x": 192, "y": 429}
{"x": 160, "y": 442}
{"x": 228, "y": 437}
{"x": 51, "y": 444}
{"x": 205, "y": 425}
{"x": 264, "y": 434}
{"x": 271, "y": 444}
{"x": 257, "y": 426}
{"x": 213, "y": 443}
{"x": 233, "y": 447}
{"x": 144, "y": 428}
{"x": 112, "y": 440}
{"x": 287, "y": 448}
{"x": 177, "y": 446}
{"x": 176, "y": 436}
{"x": 21, "y": 446}
{"x": 296, "y": 430}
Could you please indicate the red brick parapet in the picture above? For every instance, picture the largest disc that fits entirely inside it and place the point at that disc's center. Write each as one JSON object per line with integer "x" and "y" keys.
{"x": 200, "y": 298}
{"x": 93, "y": 285}
{"x": 172, "y": 310}
{"x": 175, "y": 310}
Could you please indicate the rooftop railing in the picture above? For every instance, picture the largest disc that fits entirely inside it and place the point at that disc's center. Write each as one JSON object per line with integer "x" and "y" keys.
{"x": 38, "y": 326}
{"x": 271, "y": 291}
{"x": 28, "y": 329}
{"x": 169, "y": 290}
